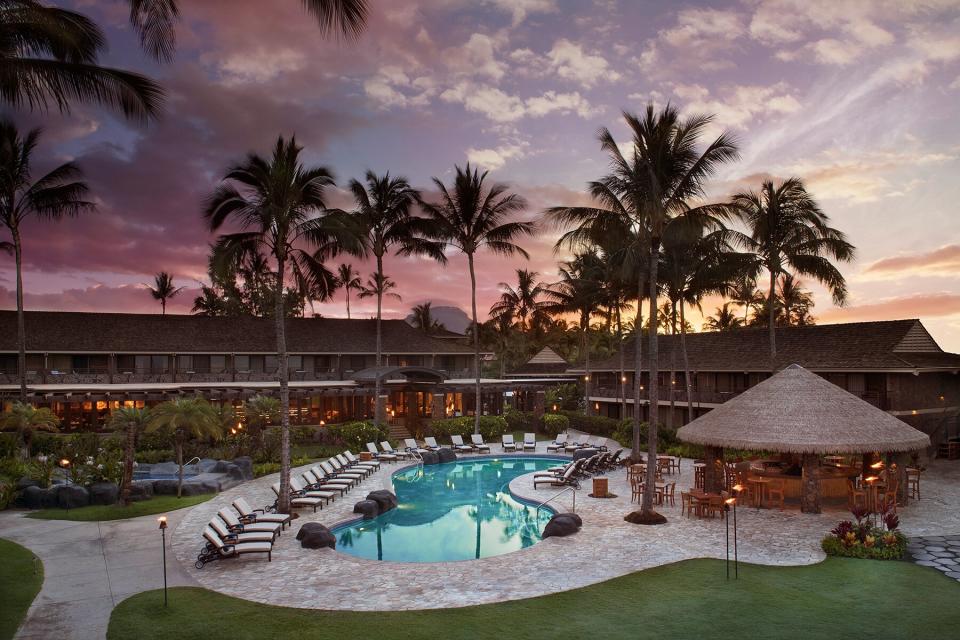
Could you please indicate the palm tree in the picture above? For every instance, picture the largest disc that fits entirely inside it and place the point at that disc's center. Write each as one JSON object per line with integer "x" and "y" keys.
{"x": 348, "y": 279}
{"x": 131, "y": 421}
{"x": 279, "y": 205}
{"x": 744, "y": 292}
{"x": 796, "y": 301}
{"x": 26, "y": 419}
{"x": 184, "y": 419}
{"x": 260, "y": 412}
{"x": 422, "y": 316}
{"x": 383, "y": 213}
{"x": 163, "y": 289}
{"x": 723, "y": 319}
{"x": 49, "y": 58}
{"x": 58, "y": 194}
{"x": 155, "y": 21}
{"x": 787, "y": 229}
{"x": 526, "y": 303}
{"x": 468, "y": 218}
{"x": 379, "y": 286}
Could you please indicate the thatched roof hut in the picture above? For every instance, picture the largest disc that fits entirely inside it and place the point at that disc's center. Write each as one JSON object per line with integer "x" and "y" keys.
{"x": 796, "y": 411}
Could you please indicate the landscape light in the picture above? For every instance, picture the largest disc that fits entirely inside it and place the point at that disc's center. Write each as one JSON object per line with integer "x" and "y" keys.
{"x": 163, "y": 542}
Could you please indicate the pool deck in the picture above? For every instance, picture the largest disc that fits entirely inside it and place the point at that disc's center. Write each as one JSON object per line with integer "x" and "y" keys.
{"x": 606, "y": 547}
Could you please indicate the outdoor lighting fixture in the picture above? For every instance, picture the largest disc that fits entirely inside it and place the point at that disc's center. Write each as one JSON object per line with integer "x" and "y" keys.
{"x": 163, "y": 541}
{"x": 586, "y": 377}
{"x": 877, "y": 465}
{"x": 233, "y": 431}
{"x": 624, "y": 379}
{"x": 554, "y": 407}
{"x": 736, "y": 559}
{"x": 596, "y": 406}
{"x": 323, "y": 423}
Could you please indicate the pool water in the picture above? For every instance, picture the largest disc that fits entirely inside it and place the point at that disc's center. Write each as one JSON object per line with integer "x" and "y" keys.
{"x": 454, "y": 511}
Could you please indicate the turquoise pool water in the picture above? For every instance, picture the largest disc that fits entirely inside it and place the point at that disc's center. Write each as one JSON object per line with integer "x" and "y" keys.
{"x": 455, "y": 511}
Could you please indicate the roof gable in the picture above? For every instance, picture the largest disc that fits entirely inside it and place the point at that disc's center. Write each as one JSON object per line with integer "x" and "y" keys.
{"x": 918, "y": 340}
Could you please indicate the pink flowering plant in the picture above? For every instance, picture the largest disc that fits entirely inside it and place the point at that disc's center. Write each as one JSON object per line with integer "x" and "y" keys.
{"x": 861, "y": 538}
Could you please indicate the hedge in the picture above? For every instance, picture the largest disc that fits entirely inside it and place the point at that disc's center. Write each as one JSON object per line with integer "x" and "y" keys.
{"x": 356, "y": 435}
{"x": 523, "y": 421}
{"x": 554, "y": 423}
{"x": 594, "y": 425}
{"x": 491, "y": 427}
{"x": 833, "y": 546}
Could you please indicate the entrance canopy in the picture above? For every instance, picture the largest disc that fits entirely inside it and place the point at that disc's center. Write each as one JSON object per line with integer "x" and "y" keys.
{"x": 410, "y": 374}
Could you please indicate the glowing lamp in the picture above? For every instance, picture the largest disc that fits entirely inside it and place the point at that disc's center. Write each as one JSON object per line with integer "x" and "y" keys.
{"x": 624, "y": 379}
{"x": 877, "y": 465}
{"x": 163, "y": 522}
{"x": 871, "y": 479}
{"x": 586, "y": 377}
{"x": 730, "y": 502}
{"x": 64, "y": 463}
{"x": 738, "y": 488}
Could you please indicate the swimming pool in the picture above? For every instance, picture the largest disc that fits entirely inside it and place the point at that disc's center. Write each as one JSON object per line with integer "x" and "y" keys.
{"x": 454, "y": 511}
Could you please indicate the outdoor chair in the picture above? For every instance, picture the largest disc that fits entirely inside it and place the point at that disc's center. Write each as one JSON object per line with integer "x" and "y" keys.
{"x": 506, "y": 440}
{"x": 300, "y": 488}
{"x": 386, "y": 457}
{"x": 249, "y": 515}
{"x": 338, "y": 470}
{"x": 412, "y": 446}
{"x": 669, "y": 494}
{"x": 355, "y": 467}
{"x": 458, "y": 445}
{"x": 297, "y": 501}
{"x": 431, "y": 443}
{"x": 318, "y": 480}
{"x": 235, "y": 526}
{"x": 216, "y": 549}
{"x": 556, "y": 472}
{"x": 231, "y": 537}
{"x": 560, "y": 442}
{"x": 913, "y": 483}
{"x": 566, "y": 480}
{"x": 529, "y": 441}
{"x": 775, "y": 493}
{"x": 331, "y": 474}
{"x": 388, "y": 449}
{"x": 636, "y": 488}
{"x": 686, "y": 503}
{"x": 478, "y": 443}
{"x": 357, "y": 462}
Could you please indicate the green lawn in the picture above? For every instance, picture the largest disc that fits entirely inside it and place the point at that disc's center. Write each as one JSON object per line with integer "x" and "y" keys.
{"x": 21, "y": 574}
{"x": 839, "y": 598}
{"x": 157, "y": 504}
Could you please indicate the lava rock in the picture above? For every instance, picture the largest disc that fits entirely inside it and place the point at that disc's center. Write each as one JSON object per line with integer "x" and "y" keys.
{"x": 207, "y": 465}
{"x": 446, "y": 455}
{"x": 384, "y": 499}
{"x": 165, "y": 487}
{"x": 561, "y": 525}
{"x": 234, "y": 472}
{"x": 368, "y": 508}
{"x": 430, "y": 457}
{"x": 164, "y": 468}
{"x": 141, "y": 490}
{"x": 246, "y": 467}
{"x": 314, "y": 535}
{"x": 104, "y": 493}
{"x": 638, "y": 517}
{"x": 25, "y": 482}
{"x": 573, "y": 516}
{"x": 32, "y": 497}
{"x": 72, "y": 496}
{"x": 48, "y": 499}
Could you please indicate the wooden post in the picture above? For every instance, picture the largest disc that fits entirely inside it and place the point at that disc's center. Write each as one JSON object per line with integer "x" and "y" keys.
{"x": 902, "y": 460}
{"x": 439, "y": 408}
{"x": 539, "y": 403}
{"x": 712, "y": 481}
{"x": 810, "y": 487}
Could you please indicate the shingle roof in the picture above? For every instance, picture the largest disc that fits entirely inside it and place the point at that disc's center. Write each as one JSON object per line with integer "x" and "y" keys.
{"x": 545, "y": 362}
{"x": 73, "y": 332}
{"x": 856, "y": 345}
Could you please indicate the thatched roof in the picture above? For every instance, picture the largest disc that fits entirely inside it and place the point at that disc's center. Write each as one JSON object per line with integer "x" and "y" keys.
{"x": 797, "y": 411}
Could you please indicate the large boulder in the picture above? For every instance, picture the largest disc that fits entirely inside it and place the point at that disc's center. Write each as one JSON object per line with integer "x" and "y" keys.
{"x": 207, "y": 465}
{"x": 25, "y": 482}
{"x": 104, "y": 493}
{"x": 234, "y": 472}
{"x": 72, "y": 497}
{"x": 141, "y": 490}
{"x": 48, "y": 499}
{"x": 246, "y": 467}
{"x": 430, "y": 457}
{"x": 165, "y": 487}
{"x": 384, "y": 499}
{"x": 446, "y": 455}
{"x": 585, "y": 453}
{"x": 562, "y": 525}
{"x": 367, "y": 508}
{"x": 32, "y": 497}
{"x": 314, "y": 535}
{"x": 166, "y": 468}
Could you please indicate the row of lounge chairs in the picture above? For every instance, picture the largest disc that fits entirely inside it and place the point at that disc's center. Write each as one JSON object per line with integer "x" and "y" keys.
{"x": 573, "y": 472}
{"x": 563, "y": 442}
{"x": 231, "y": 534}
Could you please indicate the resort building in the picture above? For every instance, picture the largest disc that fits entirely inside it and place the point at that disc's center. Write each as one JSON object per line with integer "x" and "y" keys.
{"x": 83, "y": 365}
{"x": 894, "y": 365}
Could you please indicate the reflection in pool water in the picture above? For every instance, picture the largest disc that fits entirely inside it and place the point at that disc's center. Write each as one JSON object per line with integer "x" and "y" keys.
{"x": 455, "y": 511}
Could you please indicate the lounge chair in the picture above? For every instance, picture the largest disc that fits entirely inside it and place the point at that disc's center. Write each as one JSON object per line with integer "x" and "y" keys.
{"x": 386, "y": 457}
{"x": 413, "y": 447}
{"x": 529, "y": 441}
{"x": 457, "y": 442}
{"x": 357, "y": 462}
{"x": 235, "y": 526}
{"x": 216, "y": 549}
{"x": 388, "y": 448}
{"x": 249, "y": 515}
{"x": 556, "y": 472}
{"x": 243, "y": 536}
{"x": 317, "y": 481}
{"x": 355, "y": 467}
{"x": 301, "y": 490}
{"x": 560, "y": 442}
{"x": 298, "y": 501}
{"x": 567, "y": 479}
{"x": 334, "y": 470}
{"x": 507, "y": 441}
{"x": 478, "y": 443}
{"x": 431, "y": 443}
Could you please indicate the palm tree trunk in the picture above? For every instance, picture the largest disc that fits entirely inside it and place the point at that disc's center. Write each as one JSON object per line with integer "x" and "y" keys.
{"x": 178, "y": 444}
{"x": 378, "y": 411}
{"x": 646, "y": 506}
{"x": 128, "y": 454}
{"x": 637, "y": 354}
{"x": 686, "y": 364}
{"x": 21, "y": 325}
{"x": 163, "y": 306}
{"x": 283, "y": 501}
{"x": 623, "y": 382}
{"x": 673, "y": 364}
{"x": 773, "y": 317}
{"x": 587, "y": 409}
{"x": 476, "y": 340}
{"x": 348, "y": 301}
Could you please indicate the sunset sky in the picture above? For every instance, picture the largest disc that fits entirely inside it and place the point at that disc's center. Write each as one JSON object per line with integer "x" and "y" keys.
{"x": 860, "y": 99}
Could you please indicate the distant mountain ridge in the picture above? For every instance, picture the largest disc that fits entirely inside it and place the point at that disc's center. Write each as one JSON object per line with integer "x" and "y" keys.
{"x": 453, "y": 318}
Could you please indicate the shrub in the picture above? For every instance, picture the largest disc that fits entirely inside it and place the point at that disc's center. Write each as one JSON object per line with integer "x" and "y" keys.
{"x": 554, "y": 423}
{"x": 356, "y": 435}
{"x": 523, "y": 421}
{"x": 863, "y": 540}
{"x": 491, "y": 427}
{"x": 566, "y": 397}
{"x": 266, "y": 468}
{"x": 153, "y": 456}
{"x": 594, "y": 425}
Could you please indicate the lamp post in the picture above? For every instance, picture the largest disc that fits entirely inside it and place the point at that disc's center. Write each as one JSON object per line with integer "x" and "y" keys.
{"x": 65, "y": 465}
{"x": 737, "y": 488}
{"x": 163, "y": 535}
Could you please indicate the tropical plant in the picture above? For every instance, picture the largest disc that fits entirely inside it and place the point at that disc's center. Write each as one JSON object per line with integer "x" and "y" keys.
{"x": 527, "y": 303}
{"x": 379, "y": 287}
{"x": 184, "y": 419}
{"x": 58, "y": 194}
{"x": 723, "y": 319}
{"x": 745, "y": 294}
{"x": 131, "y": 421}
{"x": 163, "y": 289}
{"x": 26, "y": 420}
{"x": 279, "y": 205}
{"x": 383, "y": 213}
{"x": 348, "y": 279}
{"x": 422, "y": 318}
{"x": 49, "y": 58}
{"x": 468, "y": 218}
{"x": 259, "y": 412}
{"x": 787, "y": 230}
{"x": 795, "y": 300}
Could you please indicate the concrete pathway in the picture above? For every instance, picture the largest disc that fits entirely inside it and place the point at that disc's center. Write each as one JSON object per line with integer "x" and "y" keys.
{"x": 89, "y": 568}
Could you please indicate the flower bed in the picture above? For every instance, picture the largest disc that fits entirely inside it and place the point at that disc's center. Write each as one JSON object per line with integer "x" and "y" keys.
{"x": 866, "y": 538}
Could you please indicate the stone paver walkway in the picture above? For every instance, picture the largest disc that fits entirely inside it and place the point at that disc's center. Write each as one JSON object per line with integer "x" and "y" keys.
{"x": 940, "y": 552}
{"x": 89, "y": 567}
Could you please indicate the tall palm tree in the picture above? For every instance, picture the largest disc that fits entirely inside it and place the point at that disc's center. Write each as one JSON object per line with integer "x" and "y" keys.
{"x": 422, "y": 316}
{"x": 744, "y": 292}
{"x": 348, "y": 279}
{"x": 723, "y": 319}
{"x": 155, "y": 21}
{"x": 26, "y": 420}
{"x": 787, "y": 230}
{"x": 468, "y": 218}
{"x": 796, "y": 301}
{"x": 163, "y": 290}
{"x": 58, "y": 194}
{"x": 131, "y": 421}
{"x": 379, "y": 286}
{"x": 279, "y": 205}
{"x": 383, "y": 213}
{"x": 49, "y": 58}
{"x": 184, "y": 419}
{"x": 527, "y": 302}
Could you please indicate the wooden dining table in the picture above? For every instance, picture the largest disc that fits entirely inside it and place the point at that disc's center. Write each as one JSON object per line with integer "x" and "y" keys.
{"x": 700, "y": 497}
{"x": 759, "y": 485}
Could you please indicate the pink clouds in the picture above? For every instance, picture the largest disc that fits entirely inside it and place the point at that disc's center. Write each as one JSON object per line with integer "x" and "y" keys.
{"x": 122, "y": 299}
{"x": 944, "y": 260}
{"x": 913, "y": 306}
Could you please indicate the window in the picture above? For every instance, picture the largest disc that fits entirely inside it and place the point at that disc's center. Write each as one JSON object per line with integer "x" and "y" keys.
{"x": 271, "y": 364}
{"x": 241, "y": 363}
{"x": 358, "y": 362}
{"x": 159, "y": 364}
{"x": 126, "y": 363}
{"x": 185, "y": 363}
{"x": 218, "y": 364}
{"x": 295, "y": 363}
